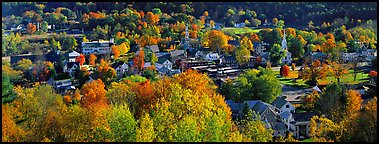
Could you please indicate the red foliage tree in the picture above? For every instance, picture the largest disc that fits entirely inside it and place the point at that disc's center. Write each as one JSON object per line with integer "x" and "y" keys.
{"x": 81, "y": 59}
{"x": 285, "y": 71}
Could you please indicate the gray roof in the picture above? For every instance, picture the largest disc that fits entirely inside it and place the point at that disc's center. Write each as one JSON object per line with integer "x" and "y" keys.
{"x": 257, "y": 105}
{"x": 279, "y": 126}
{"x": 154, "y": 48}
{"x": 235, "y": 106}
{"x": 176, "y": 53}
{"x": 73, "y": 54}
{"x": 163, "y": 58}
{"x": 164, "y": 70}
{"x": 264, "y": 55}
{"x": 285, "y": 114}
{"x": 303, "y": 117}
{"x": 117, "y": 64}
{"x": 279, "y": 102}
{"x": 71, "y": 64}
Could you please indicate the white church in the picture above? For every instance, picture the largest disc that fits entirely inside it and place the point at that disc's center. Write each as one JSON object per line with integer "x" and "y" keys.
{"x": 287, "y": 59}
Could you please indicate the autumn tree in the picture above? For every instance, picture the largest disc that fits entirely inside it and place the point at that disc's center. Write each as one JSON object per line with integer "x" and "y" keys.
{"x": 293, "y": 66}
{"x": 115, "y": 51}
{"x": 254, "y": 130}
{"x": 309, "y": 100}
{"x": 314, "y": 72}
{"x": 152, "y": 18}
{"x": 94, "y": 94}
{"x": 217, "y": 40}
{"x": 243, "y": 51}
{"x": 285, "y": 71}
{"x": 337, "y": 70}
{"x": 105, "y": 72}
{"x": 24, "y": 65}
{"x": 139, "y": 60}
{"x": 145, "y": 131}
{"x": 323, "y": 129}
{"x": 367, "y": 123}
{"x": 254, "y": 38}
{"x": 31, "y": 28}
{"x": 92, "y": 59}
{"x": 212, "y": 23}
{"x": 10, "y": 131}
{"x": 81, "y": 59}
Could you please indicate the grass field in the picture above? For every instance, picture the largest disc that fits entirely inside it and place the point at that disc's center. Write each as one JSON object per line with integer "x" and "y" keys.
{"x": 235, "y": 31}
{"x": 346, "y": 79}
{"x": 308, "y": 140}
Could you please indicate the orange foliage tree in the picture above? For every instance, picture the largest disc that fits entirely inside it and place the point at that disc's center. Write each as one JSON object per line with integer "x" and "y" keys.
{"x": 217, "y": 39}
{"x": 31, "y": 28}
{"x": 81, "y": 59}
{"x": 115, "y": 51}
{"x": 139, "y": 60}
{"x": 94, "y": 95}
{"x": 152, "y": 18}
{"x": 254, "y": 38}
{"x": 92, "y": 59}
{"x": 337, "y": 70}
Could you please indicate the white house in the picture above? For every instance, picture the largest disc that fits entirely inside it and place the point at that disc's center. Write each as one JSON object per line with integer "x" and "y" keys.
{"x": 239, "y": 25}
{"x": 212, "y": 56}
{"x": 163, "y": 61}
{"x": 283, "y": 105}
{"x": 349, "y": 57}
{"x": 99, "y": 47}
{"x": 72, "y": 56}
{"x": 287, "y": 59}
{"x": 120, "y": 67}
{"x": 70, "y": 68}
{"x": 61, "y": 86}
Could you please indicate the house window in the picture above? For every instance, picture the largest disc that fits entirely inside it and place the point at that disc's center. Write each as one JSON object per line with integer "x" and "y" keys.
{"x": 287, "y": 106}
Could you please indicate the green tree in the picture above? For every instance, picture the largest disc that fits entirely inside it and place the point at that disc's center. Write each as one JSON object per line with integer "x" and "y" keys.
{"x": 8, "y": 94}
{"x": 122, "y": 123}
{"x": 70, "y": 43}
{"x": 44, "y": 26}
{"x": 259, "y": 84}
{"x": 276, "y": 54}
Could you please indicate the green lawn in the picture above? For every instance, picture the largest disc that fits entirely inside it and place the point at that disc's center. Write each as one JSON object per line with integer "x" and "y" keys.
{"x": 232, "y": 31}
{"x": 308, "y": 140}
{"x": 346, "y": 79}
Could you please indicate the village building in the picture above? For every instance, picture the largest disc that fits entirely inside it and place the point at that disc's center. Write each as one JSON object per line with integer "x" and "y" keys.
{"x": 99, "y": 47}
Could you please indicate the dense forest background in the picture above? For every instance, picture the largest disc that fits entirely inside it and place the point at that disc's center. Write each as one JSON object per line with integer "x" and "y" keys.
{"x": 293, "y": 13}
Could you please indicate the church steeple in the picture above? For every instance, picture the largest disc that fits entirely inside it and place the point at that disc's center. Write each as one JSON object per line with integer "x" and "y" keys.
{"x": 284, "y": 41}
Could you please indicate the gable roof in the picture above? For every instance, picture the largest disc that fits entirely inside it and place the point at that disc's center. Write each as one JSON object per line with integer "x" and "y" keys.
{"x": 163, "y": 58}
{"x": 303, "y": 117}
{"x": 117, "y": 64}
{"x": 73, "y": 54}
{"x": 279, "y": 126}
{"x": 154, "y": 48}
{"x": 71, "y": 64}
{"x": 235, "y": 106}
{"x": 163, "y": 70}
{"x": 285, "y": 115}
{"x": 176, "y": 53}
{"x": 264, "y": 55}
{"x": 279, "y": 102}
